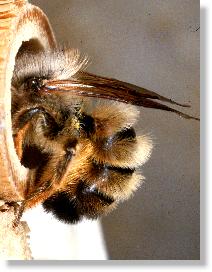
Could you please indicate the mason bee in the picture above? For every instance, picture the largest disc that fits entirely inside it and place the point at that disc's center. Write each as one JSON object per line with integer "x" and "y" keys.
{"x": 74, "y": 132}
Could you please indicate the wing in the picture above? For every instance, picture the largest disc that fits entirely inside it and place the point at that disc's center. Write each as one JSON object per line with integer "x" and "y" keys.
{"x": 90, "y": 85}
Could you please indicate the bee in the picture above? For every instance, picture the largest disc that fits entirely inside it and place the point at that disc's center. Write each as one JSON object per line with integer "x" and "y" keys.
{"x": 74, "y": 132}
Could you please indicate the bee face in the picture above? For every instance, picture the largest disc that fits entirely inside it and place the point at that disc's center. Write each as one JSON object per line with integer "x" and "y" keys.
{"x": 82, "y": 152}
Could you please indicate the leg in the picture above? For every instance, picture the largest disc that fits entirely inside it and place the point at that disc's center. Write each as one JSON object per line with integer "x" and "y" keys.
{"x": 21, "y": 119}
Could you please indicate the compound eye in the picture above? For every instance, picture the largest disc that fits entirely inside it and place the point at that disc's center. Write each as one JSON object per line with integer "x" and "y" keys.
{"x": 34, "y": 83}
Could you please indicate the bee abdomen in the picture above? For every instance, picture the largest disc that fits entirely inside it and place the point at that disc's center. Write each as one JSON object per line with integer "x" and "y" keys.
{"x": 104, "y": 180}
{"x": 123, "y": 149}
{"x": 122, "y": 170}
{"x": 126, "y": 133}
{"x": 84, "y": 190}
{"x": 106, "y": 167}
{"x": 63, "y": 207}
{"x": 87, "y": 201}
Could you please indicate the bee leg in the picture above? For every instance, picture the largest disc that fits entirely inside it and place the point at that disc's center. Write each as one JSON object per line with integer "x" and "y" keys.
{"x": 39, "y": 190}
{"x": 19, "y": 210}
{"x": 49, "y": 179}
{"x": 56, "y": 158}
{"x": 24, "y": 117}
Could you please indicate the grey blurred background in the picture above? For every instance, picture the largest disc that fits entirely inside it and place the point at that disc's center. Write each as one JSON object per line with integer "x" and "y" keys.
{"x": 154, "y": 44}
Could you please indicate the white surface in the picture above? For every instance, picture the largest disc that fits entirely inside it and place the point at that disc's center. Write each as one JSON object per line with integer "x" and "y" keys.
{"x": 53, "y": 240}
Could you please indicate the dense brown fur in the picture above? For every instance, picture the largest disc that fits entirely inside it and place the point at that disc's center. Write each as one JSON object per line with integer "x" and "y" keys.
{"x": 82, "y": 153}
